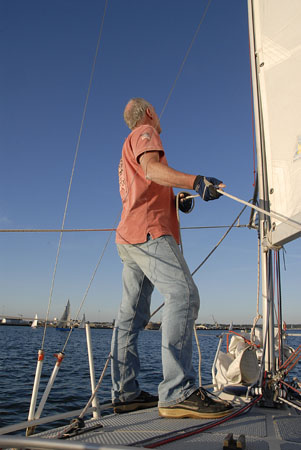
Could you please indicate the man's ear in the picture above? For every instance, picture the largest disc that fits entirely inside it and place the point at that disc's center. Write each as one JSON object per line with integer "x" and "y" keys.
{"x": 149, "y": 113}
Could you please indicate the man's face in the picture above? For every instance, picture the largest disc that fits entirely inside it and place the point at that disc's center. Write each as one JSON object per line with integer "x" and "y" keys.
{"x": 156, "y": 120}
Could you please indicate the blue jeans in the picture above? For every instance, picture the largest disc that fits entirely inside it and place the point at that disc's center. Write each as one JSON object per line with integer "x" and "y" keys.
{"x": 155, "y": 263}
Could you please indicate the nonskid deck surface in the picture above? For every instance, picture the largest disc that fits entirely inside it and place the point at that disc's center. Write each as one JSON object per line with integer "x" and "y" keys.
{"x": 263, "y": 428}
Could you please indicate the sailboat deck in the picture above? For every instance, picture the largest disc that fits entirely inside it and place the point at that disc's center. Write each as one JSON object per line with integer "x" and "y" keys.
{"x": 263, "y": 428}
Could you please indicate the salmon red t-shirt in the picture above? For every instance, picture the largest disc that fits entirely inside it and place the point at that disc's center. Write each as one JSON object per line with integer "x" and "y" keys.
{"x": 148, "y": 208}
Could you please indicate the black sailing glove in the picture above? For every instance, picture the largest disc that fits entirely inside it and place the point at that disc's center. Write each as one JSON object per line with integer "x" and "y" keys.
{"x": 186, "y": 206}
{"x": 206, "y": 187}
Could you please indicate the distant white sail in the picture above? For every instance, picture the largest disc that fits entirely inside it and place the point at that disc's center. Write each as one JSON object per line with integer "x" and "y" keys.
{"x": 83, "y": 322}
{"x": 35, "y": 322}
{"x": 65, "y": 321}
{"x": 278, "y": 48}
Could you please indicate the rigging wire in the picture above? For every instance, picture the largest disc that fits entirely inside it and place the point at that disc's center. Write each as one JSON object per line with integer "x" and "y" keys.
{"x": 73, "y": 169}
{"x": 252, "y": 115}
{"x": 56, "y": 368}
{"x": 185, "y": 57}
{"x": 219, "y": 242}
{"x": 85, "y": 409}
{"x": 278, "y": 311}
{"x": 88, "y": 288}
{"x": 162, "y": 112}
{"x": 258, "y": 315}
{"x": 210, "y": 253}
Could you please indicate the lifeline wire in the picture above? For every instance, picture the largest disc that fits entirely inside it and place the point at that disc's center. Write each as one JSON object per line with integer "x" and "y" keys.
{"x": 74, "y": 230}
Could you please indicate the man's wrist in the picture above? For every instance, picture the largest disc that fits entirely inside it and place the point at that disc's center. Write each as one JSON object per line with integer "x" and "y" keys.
{"x": 197, "y": 180}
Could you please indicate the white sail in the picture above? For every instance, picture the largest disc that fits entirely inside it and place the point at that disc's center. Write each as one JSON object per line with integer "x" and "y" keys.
{"x": 278, "y": 52}
{"x": 64, "y": 321}
{"x": 275, "y": 42}
{"x": 35, "y": 322}
{"x": 83, "y": 322}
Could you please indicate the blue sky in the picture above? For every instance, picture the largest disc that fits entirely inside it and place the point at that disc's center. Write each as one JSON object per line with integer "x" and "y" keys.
{"x": 47, "y": 50}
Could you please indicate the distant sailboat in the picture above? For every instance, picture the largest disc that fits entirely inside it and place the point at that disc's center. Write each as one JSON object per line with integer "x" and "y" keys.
{"x": 83, "y": 322}
{"x": 35, "y": 322}
{"x": 65, "y": 323}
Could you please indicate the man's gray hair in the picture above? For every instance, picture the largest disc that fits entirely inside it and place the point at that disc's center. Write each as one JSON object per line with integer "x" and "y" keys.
{"x": 135, "y": 111}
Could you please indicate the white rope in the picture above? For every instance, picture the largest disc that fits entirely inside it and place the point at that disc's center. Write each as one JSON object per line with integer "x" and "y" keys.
{"x": 290, "y": 403}
{"x": 282, "y": 218}
{"x": 194, "y": 326}
{"x": 178, "y": 217}
{"x": 200, "y": 355}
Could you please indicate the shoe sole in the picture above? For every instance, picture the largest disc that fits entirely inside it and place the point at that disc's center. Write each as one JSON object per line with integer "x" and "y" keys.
{"x": 181, "y": 413}
{"x": 133, "y": 407}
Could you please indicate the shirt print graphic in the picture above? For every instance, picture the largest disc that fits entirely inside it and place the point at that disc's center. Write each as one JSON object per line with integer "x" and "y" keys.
{"x": 145, "y": 136}
{"x": 122, "y": 181}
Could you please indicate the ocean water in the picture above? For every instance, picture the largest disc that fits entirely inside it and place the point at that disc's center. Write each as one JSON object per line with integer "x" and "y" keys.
{"x": 71, "y": 390}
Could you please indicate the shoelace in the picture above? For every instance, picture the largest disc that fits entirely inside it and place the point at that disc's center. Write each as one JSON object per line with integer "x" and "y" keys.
{"x": 207, "y": 399}
{"x": 204, "y": 396}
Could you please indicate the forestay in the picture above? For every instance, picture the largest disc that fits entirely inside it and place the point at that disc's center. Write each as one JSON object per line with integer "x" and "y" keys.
{"x": 278, "y": 49}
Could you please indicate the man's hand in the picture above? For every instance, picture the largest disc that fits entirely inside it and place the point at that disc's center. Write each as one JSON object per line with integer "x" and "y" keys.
{"x": 186, "y": 206}
{"x": 206, "y": 187}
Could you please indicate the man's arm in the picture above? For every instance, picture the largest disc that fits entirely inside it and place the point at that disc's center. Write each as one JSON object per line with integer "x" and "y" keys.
{"x": 162, "y": 174}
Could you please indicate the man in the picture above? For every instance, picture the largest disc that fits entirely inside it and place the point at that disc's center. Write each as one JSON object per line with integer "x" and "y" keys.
{"x": 147, "y": 239}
